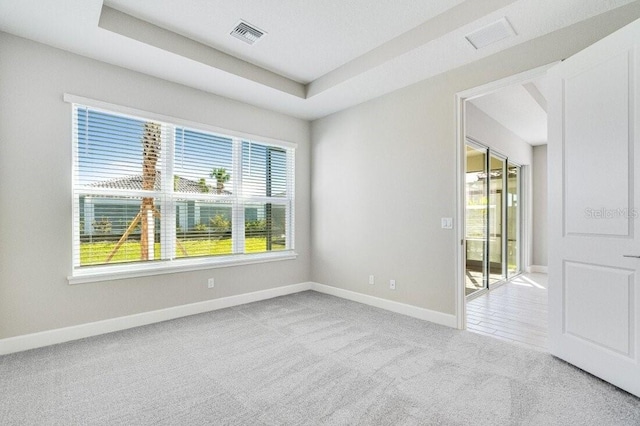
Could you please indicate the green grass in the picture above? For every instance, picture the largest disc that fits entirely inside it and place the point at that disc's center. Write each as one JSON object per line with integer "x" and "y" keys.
{"x": 96, "y": 253}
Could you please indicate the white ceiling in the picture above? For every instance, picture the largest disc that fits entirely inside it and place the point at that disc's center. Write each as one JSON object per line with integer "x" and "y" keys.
{"x": 519, "y": 108}
{"x": 337, "y": 30}
{"x": 318, "y": 57}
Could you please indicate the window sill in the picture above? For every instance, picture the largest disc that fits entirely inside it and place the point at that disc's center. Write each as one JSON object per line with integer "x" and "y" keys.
{"x": 122, "y": 271}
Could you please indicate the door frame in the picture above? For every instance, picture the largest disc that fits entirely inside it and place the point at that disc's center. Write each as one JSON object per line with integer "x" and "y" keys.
{"x": 460, "y": 132}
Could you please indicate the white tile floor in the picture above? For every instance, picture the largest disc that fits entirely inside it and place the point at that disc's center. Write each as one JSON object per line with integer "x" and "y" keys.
{"x": 515, "y": 311}
{"x": 473, "y": 281}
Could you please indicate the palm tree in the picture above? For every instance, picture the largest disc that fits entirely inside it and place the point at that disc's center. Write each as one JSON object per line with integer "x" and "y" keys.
{"x": 221, "y": 176}
{"x": 151, "y": 141}
{"x": 202, "y": 183}
{"x": 150, "y": 155}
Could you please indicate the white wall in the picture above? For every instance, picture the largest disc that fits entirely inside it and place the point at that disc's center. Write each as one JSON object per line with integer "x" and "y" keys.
{"x": 539, "y": 178}
{"x": 489, "y": 132}
{"x": 384, "y": 173}
{"x": 35, "y": 190}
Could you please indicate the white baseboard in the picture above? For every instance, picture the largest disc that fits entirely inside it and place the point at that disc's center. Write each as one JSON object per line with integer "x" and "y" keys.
{"x": 61, "y": 335}
{"x": 538, "y": 268}
{"x": 389, "y": 305}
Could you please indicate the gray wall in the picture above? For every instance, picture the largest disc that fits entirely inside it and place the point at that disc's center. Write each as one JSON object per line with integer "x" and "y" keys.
{"x": 35, "y": 190}
{"x": 539, "y": 217}
{"x": 384, "y": 173}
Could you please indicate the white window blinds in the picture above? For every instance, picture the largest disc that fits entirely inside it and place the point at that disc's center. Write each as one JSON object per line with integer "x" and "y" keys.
{"x": 150, "y": 191}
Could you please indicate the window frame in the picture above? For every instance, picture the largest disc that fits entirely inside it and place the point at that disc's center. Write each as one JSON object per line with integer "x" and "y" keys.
{"x": 168, "y": 201}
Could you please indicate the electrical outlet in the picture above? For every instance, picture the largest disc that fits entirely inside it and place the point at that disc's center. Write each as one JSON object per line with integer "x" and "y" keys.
{"x": 392, "y": 284}
{"x": 371, "y": 280}
{"x": 211, "y": 283}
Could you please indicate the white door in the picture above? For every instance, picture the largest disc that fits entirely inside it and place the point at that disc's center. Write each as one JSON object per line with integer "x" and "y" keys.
{"x": 594, "y": 195}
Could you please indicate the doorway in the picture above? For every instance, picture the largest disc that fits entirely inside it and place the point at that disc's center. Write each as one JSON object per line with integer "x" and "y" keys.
{"x": 501, "y": 293}
{"x": 492, "y": 218}
{"x": 593, "y": 269}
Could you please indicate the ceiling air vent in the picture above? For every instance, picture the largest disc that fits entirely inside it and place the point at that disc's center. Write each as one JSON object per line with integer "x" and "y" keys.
{"x": 247, "y": 33}
{"x": 490, "y": 34}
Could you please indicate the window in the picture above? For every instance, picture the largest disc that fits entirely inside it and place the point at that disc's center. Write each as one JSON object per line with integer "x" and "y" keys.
{"x": 150, "y": 194}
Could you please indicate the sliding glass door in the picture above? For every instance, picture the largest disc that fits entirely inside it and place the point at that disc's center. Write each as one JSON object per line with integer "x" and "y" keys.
{"x": 513, "y": 220}
{"x": 476, "y": 219}
{"x": 496, "y": 218}
{"x": 492, "y": 218}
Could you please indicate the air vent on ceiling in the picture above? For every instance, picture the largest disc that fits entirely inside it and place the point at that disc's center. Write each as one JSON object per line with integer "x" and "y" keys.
{"x": 490, "y": 34}
{"x": 247, "y": 33}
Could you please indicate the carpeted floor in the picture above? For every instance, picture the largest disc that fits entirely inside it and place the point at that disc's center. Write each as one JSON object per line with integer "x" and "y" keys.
{"x": 306, "y": 358}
